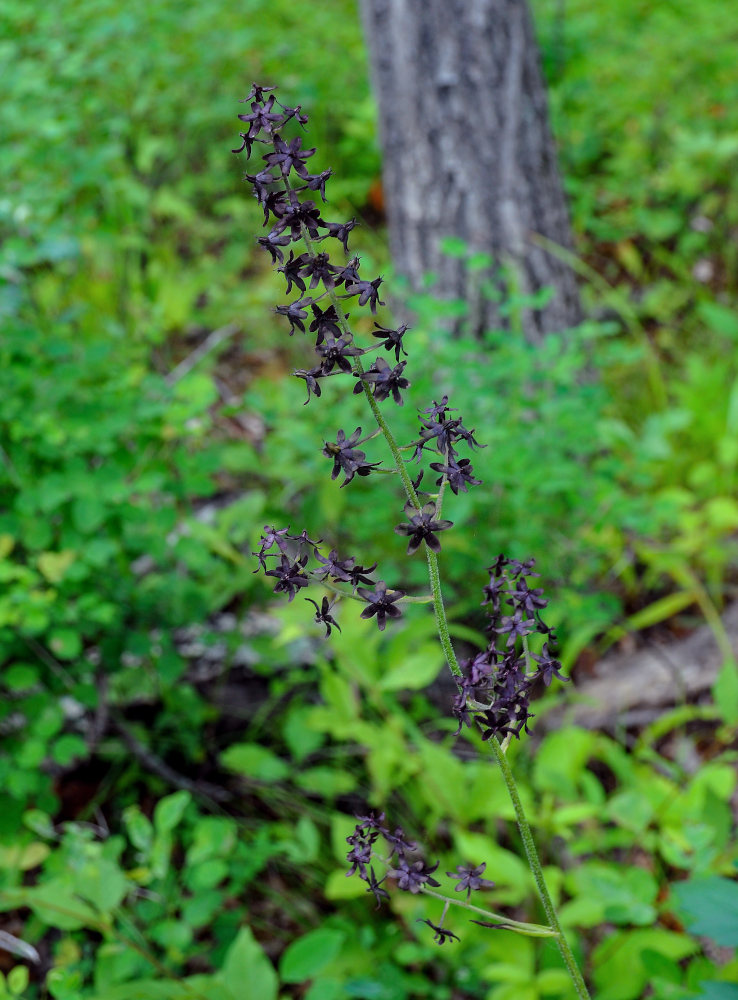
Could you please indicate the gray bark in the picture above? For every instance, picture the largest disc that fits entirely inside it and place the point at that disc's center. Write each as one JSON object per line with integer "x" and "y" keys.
{"x": 468, "y": 152}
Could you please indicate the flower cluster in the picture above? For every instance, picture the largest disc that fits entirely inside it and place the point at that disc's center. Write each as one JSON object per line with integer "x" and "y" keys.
{"x": 280, "y": 187}
{"x": 294, "y": 553}
{"x": 409, "y": 872}
{"x": 497, "y": 684}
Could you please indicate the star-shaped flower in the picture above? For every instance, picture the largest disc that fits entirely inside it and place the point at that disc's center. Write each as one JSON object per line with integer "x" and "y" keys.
{"x": 422, "y": 527}
{"x": 381, "y": 603}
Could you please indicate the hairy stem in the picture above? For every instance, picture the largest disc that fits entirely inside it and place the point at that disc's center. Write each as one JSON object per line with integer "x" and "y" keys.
{"x": 534, "y": 863}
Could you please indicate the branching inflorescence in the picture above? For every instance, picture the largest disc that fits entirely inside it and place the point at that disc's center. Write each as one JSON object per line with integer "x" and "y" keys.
{"x": 495, "y": 685}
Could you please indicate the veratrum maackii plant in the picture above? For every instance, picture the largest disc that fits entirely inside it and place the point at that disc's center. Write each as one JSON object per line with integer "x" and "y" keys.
{"x": 494, "y": 687}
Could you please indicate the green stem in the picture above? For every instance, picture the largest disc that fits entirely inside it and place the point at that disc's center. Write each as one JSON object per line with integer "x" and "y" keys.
{"x": 535, "y": 866}
{"x": 531, "y": 930}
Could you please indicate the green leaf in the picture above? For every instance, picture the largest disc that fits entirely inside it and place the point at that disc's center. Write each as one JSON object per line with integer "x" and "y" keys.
{"x": 719, "y": 318}
{"x": 716, "y": 991}
{"x": 255, "y": 761}
{"x": 170, "y": 810}
{"x": 416, "y": 671}
{"x": 711, "y": 905}
{"x": 18, "y": 979}
{"x": 67, "y": 748}
{"x": 20, "y": 676}
{"x": 65, "y": 643}
{"x": 102, "y": 883}
{"x": 247, "y": 972}
{"x": 304, "y": 958}
{"x": 326, "y": 989}
{"x": 619, "y": 962}
{"x": 725, "y": 692}
{"x": 328, "y": 782}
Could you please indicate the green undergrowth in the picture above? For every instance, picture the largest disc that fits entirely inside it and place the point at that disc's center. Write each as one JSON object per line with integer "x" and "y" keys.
{"x": 131, "y": 499}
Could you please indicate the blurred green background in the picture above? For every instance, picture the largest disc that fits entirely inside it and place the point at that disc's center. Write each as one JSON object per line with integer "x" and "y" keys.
{"x": 181, "y": 759}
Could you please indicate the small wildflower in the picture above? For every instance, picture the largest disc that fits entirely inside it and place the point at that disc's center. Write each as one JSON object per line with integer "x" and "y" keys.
{"x": 470, "y": 878}
{"x": 422, "y": 527}
{"x": 381, "y": 603}
{"x": 323, "y": 615}
{"x": 295, "y": 313}
{"x": 311, "y": 381}
{"x": 441, "y": 934}
{"x": 290, "y": 576}
{"x": 392, "y": 338}
{"x": 412, "y": 876}
{"x": 384, "y": 379}
{"x": 347, "y": 458}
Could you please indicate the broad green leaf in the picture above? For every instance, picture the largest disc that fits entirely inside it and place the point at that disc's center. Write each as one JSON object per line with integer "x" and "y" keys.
{"x": 65, "y": 643}
{"x": 305, "y": 957}
{"x": 716, "y": 991}
{"x": 416, "y": 671}
{"x": 619, "y": 969}
{"x": 254, "y": 761}
{"x": 719, "y": 318}
{"x": 17, "y": 857}
{"x": 247, "y": 973}
{"x": 102, "y": 883}
{"x": 54, "y": 565}
{"x": 711, "y": 905}
{"x": 169, "y": 811}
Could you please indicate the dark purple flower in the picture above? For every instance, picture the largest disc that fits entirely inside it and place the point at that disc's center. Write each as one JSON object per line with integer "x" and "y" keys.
{"x": 371, "y": 822}
{"x": 381, "y": 603}
{"x": 470, "y": 878}
{"x": 398, "y": 842}
{"x": 297, "y": 214}
{"x": 336, "y": 352}
{"x": 323, "y": 615}
{"x": 290, "y": 575}
{"x": 441, "y": 934}
{"x": 333, "y": 567}
{"x": 458, "y": 474}
{"x": 347, "y": 458}
{"x": 548, "y": 666}
{"x": 319, "y": 268}
{"x": 385, "y": 380}
{"x": 316, "y": 182}
{"x": 360, "y": 855}
{"x": 368, "y": 291}
{"x": 291, "y": 270}
{"x": 271, "y": 537}
{"x": 295, "y": 313}
{"x": 392, "y": 338}
{"x": 374, "y": 887}
{"x": 261, "y": 117}
{"x": 326, "y": 323}
{"x": 289, "y": 156}
{"x": 261, "y": 182}
{"x": 340, "y": 231}
{"x": 515, "y": 626}
{"x": 422, "y": 527}
{"x": 411, "y": 876}
{"x": 273, "y": 242}
{"x": 256, "y": 93}
{"x": 311, "y": 377}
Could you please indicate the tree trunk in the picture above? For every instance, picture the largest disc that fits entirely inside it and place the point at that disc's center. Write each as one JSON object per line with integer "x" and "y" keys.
{"x": 468, "y": 153}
